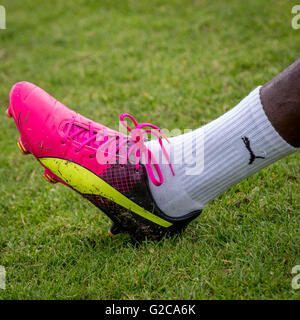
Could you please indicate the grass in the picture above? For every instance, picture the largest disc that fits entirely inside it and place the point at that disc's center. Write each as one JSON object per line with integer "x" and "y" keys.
{"x": 178, "y": 64}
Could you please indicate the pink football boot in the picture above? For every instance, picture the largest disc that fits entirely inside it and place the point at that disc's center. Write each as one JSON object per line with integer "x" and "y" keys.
{"x": 103, "y": 165}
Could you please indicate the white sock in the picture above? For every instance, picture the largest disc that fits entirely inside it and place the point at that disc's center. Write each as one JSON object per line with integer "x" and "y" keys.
{"x": 226, "y": 158}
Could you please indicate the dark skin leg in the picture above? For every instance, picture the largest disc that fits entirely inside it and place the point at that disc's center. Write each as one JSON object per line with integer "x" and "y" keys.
{"x": 281, "y": 101}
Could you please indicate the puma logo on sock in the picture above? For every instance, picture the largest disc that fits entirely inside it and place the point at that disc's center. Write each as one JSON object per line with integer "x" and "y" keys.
{"x": 252, "y": 155}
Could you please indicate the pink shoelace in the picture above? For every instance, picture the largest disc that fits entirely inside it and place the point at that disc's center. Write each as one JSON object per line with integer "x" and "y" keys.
{"x": 110, "y": 143}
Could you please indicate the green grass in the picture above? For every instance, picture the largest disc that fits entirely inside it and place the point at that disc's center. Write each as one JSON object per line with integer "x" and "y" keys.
{"x": 177, "y": 64}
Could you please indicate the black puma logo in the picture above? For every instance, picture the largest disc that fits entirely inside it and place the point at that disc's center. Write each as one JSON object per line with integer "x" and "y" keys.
{"x": 252, "y": 155}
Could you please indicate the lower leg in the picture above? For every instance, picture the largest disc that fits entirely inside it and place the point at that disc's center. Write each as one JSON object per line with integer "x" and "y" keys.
{"x": 261, "y": 129}
{"x": 281, "y": 101}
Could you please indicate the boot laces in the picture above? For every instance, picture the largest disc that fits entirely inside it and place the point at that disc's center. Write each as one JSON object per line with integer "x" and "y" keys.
{"x": 113, "y": 145}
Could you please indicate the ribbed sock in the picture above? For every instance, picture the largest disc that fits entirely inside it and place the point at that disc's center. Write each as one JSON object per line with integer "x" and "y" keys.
{"x": 225, "y": 151}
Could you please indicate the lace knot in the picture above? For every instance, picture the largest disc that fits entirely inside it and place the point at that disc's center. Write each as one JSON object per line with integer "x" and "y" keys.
{"x": 130, "y": 147}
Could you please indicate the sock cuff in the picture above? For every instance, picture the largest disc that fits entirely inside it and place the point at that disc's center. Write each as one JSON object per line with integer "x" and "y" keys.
{"x": 263, "y": 123}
